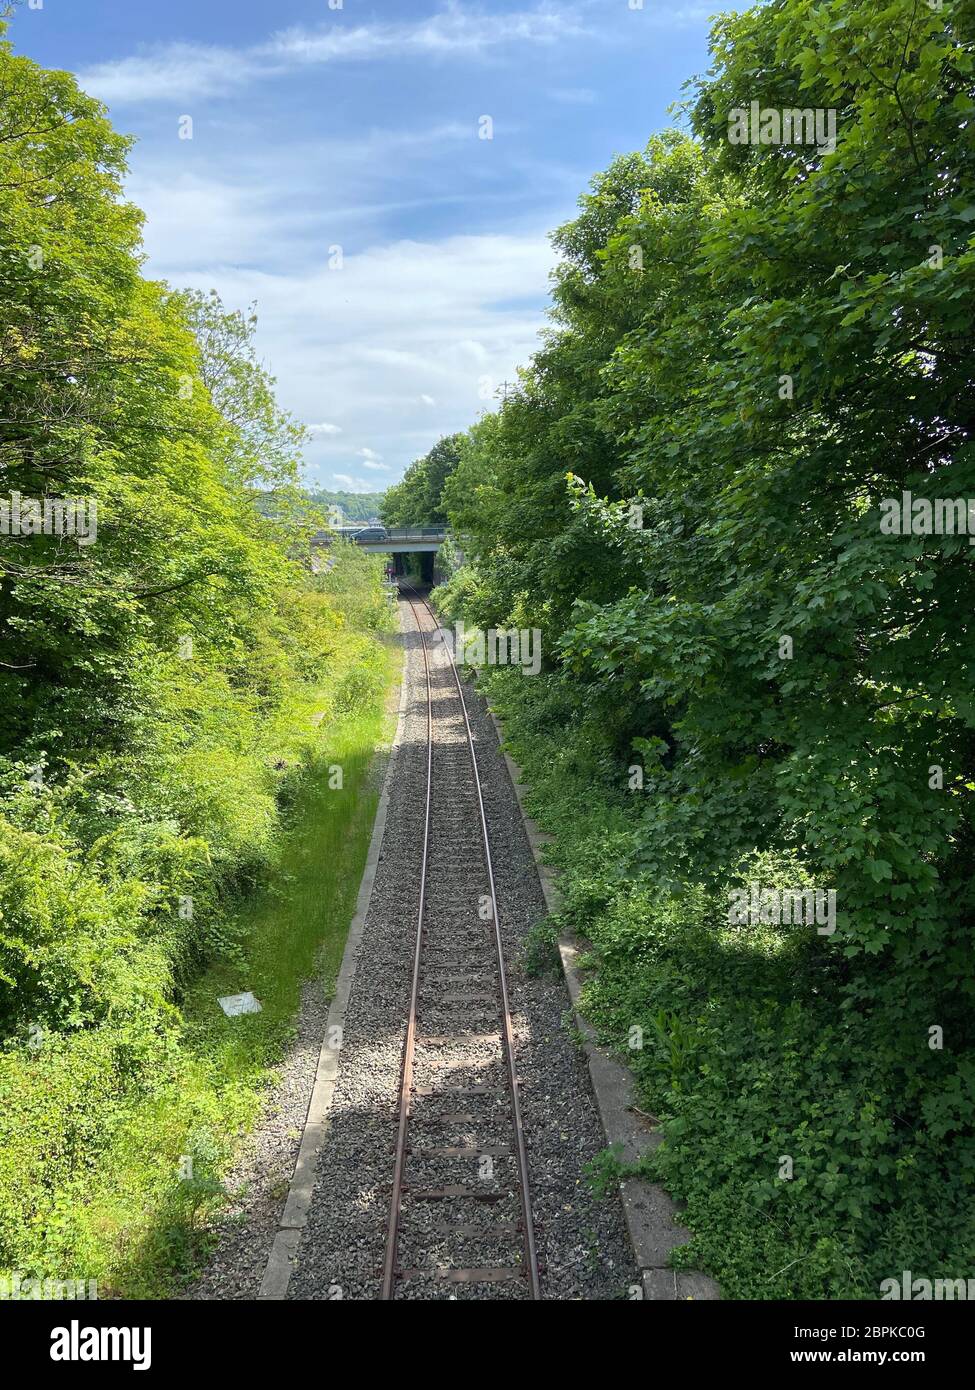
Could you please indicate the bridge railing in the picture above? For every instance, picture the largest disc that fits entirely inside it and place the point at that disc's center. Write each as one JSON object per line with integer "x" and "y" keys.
{"x": 398, "y": 535}
{"x": 417, "y": 533}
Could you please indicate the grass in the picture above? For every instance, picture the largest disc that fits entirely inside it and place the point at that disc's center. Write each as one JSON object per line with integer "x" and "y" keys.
{"x": 294, "y": 930}
{"x": 296, "y": 926}
{"x": 158, "y": 1121}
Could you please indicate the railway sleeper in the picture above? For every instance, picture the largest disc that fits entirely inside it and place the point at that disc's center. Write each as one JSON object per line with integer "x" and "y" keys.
{"x": 462, "y": 1151}
{"x": 452, "y": 1039}
{"x": 446, "y": 981}
{"x": 487, "y": 1275}
{"x": 498, "y": 1091}
{"x": 475, "y": 997}
{"x": 452, "y": 1190}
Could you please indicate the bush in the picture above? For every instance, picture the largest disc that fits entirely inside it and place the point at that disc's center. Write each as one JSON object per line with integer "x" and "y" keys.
{"x": 817, "y": 1152}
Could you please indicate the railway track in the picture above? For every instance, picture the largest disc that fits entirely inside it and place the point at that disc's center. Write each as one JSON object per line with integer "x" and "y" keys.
{"x": 460, "y": 1210}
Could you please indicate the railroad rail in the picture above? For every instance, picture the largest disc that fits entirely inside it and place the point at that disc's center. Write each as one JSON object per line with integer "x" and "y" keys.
{"x": 459, "y": 1084}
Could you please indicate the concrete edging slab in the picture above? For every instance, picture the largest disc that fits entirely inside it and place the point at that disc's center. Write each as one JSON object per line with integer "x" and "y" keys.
{"x": 280, "y": 1262}
{"x": 651, "y": 1216}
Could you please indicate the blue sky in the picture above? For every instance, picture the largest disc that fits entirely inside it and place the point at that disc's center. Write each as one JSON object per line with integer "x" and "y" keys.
{"x": 319, "y": 124}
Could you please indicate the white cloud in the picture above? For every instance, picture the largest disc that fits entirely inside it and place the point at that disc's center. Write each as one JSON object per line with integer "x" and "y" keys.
{"x": 410, "y": 339}
{"x": 350, "y": 484}
{"x": 167, "y": 72}
{"x": 452, "y": 31}
{"x": 254, "y": 211}
{"x": 172, "y": 72}
{"x": 407, "y": 341}
{"x": 195, "y": 221}
{"x": 365, "y": 345}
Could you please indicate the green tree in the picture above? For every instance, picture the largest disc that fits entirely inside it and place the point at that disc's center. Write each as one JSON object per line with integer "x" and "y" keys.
{"x": 263, "y": 443}
{"x": 755, "y": 348}
{"x": 355, "y": 506}
{"x": 417, "y": 499}
{"x": 103, "y": 396}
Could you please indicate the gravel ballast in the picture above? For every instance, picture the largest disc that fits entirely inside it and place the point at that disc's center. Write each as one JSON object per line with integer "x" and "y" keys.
{"x": 582, "y": 1242}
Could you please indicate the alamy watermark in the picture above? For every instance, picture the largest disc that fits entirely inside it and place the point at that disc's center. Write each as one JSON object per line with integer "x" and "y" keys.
{"x": 53, "y": 516}
{"x": 920, "y": 516}
{"x": 757, "y": 125}
{"x": 495, "y": 647}
{"x": 14, "y": 1287}
{"x": 798, "y": 907}
{"x": 920, "y": 1290}
{"x": 77, "y": 1343}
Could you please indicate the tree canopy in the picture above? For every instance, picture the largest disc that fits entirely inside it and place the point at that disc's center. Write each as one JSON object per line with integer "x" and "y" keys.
{"x": 753, "y": 349}
{"x": 158, "y": 677}
{"x": 416, "y": 499}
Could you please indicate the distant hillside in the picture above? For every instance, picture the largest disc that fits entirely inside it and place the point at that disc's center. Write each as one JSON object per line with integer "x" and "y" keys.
{"x": 357, "y": 506}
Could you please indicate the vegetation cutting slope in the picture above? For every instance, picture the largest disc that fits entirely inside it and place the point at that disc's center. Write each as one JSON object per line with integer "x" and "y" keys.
{"x": 755, "y": 350}
{"x": 168, "y": 689}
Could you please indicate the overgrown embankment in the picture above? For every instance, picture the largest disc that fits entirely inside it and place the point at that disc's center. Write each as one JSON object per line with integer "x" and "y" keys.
{"x": 187, "y": 715}
{"x": 784, "y": 1121}
{"x": 124, "y": 1088}
{"x": 733, "y": 494}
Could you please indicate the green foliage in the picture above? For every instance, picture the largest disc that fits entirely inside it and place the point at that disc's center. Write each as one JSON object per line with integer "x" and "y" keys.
{"x": 356, "y": 506}
{"x": 541, "y": 951}
{"x": 261, "y": 442}
{"x": 171, "y": 694}
{"x": 753, "y": 347}
{"x": 745, "y": 1053}
{"x": 116, "y": 1063}
{"x": 417, "y": 499}
{"x": 606, "y": 1171}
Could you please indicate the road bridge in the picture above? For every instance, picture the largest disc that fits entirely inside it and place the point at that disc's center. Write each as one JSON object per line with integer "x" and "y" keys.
{"x": 399, "y": 540}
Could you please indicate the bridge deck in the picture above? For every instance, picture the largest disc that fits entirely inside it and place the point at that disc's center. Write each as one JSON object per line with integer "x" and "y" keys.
{"x": 400, "y": 540}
